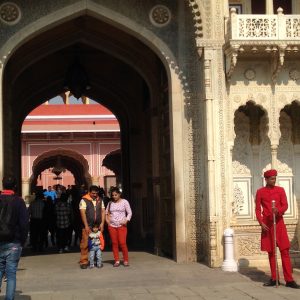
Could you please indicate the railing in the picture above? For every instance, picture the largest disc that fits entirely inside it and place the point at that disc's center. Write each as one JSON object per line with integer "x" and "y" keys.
{"x": 263, "y": 27}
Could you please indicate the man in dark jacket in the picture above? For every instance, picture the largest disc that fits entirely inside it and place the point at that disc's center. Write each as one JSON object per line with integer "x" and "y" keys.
{"x": 12, "y": 240}
{"x": 92, "y": 211}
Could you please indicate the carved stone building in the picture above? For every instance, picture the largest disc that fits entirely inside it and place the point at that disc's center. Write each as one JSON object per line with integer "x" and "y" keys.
{"x": 206, "y": 99}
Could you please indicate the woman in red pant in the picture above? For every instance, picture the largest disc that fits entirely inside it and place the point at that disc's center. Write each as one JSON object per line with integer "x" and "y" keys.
{"x": 118, "y": 214}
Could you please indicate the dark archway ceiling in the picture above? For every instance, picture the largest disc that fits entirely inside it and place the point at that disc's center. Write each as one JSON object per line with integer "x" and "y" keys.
{"x": 119, "y": 67}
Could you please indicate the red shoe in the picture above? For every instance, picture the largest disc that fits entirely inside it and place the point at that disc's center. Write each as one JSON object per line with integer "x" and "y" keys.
{"x": 126, "y": 264}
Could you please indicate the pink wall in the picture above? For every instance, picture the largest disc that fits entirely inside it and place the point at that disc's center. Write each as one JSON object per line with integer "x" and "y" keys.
{"x": 93, "y": 151}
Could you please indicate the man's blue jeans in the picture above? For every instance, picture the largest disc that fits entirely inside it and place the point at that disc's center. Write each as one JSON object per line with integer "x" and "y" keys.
{"x": 9, "y": 258}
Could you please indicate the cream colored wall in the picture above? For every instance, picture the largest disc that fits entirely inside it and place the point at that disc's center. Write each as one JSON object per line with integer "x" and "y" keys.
{"x": 246, "y": 174}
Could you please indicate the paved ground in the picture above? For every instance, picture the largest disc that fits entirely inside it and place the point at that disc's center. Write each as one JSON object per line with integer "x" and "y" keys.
{"x": 58, "y": 276}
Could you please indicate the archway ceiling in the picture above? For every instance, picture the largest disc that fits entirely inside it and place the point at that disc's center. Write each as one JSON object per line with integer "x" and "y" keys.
{"x": 117, "y": 63}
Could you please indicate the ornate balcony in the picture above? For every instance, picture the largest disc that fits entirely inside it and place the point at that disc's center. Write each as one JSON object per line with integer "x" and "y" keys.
{"x": 277, "y": 36}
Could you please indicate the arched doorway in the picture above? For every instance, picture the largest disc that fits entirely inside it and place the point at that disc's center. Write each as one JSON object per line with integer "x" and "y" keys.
{"x": 129, "y": 79}
{"x": 72, "y": 161}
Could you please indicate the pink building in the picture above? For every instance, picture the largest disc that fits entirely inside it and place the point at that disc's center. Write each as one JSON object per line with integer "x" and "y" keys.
{"x": 73, "y": 139}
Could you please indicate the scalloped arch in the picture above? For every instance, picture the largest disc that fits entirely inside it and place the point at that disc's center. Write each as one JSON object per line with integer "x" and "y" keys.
{"x": 62, "y": 152}
{"x": 66, "y": 153}
{"x": 250, "y": 100}
{"x": 283, "y": 101}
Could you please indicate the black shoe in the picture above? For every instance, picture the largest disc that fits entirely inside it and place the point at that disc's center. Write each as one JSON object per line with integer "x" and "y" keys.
{"x": 292, "y": 284}
{"x": 271, "y": 282}
{"x": 83, "y": 266}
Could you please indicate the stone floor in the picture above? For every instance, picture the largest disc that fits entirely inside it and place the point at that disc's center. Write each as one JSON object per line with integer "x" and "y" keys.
{"x": 58, "y": 276}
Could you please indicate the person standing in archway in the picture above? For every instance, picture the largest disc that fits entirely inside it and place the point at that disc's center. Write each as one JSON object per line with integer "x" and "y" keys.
{"x": 92, "y": 211}
{"x": 118, "y": 214}
{"x": 14, "y": 223}
{"x": 264, "y": 214}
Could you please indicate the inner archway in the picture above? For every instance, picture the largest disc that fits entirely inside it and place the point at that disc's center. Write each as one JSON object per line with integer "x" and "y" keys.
{"x": 72, "y": 161}
{"x": 128, "y": 78}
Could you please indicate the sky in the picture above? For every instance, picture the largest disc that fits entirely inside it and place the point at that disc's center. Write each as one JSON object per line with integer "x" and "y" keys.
{"x": 72, "y": 99}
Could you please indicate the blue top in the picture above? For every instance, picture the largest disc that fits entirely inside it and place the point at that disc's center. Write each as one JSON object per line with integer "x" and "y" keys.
{"x": 51, "y": 194}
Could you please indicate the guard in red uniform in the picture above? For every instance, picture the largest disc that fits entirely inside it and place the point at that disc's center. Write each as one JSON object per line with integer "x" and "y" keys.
{"x": 264, "y": 214}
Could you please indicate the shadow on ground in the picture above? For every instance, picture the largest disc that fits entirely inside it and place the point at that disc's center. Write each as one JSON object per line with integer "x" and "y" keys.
{"x": 252, "y": 273}
{"x": 18, "y": 296}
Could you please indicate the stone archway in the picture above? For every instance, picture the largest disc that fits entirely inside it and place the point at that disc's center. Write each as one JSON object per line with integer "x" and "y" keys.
{"x": 113, "y": 161}
{"x": 71, "y": 160}
{"x": 132, "y": 54}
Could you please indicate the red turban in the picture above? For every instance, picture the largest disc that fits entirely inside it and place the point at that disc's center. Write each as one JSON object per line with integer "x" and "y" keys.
{"x": 270, "y": 173}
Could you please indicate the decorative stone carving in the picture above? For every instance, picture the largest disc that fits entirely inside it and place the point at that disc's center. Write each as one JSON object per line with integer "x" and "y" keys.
{"x": 294, "y": 74}
{"x": 292, "y": 24}
{"x": 238, "y": 200}
{"x": 197, "y": 18}
{"x": 285, "y": 148}
{"x": 250, "y": 74}
{"x": 241, "y": 152}
{"x": 10, "y": 13}
{"x": 160, "y": 15}
{"x": 249, "y": 245}
{"x": 265, "y": 146}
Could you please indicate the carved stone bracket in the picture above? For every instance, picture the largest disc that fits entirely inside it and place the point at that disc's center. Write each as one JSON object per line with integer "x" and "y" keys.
{"x": 278, "y": 61}
{"x": 203, "y": 44}
{"x": 231, "y": 55}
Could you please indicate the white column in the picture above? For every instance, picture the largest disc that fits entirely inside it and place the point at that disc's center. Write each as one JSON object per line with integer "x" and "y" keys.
{"x": 229, "y": 264}
{"x": 269, "y": 7}
{"x": 274, "y": 148}
{"x": 210, "y": 124}
{"x": 25, "y": 187}
{"x": 210, "y": 129}
{"x": 95, "y": 180}
{"x": 295, "y": 7}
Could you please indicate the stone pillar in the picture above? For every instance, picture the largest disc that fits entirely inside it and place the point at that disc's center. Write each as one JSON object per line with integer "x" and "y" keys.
{"x": 95, "y": 180}
{"x": 269, "y": 7}
{"x": 211, "y": 164}
{"x": 256, "y": 168}
{"x": 65, "y": 97}
{"x": 25, "y": 187}
{"x": 85, "y": 100}
{"x": 295, "y": 7}
{"x": 274, "y": 155}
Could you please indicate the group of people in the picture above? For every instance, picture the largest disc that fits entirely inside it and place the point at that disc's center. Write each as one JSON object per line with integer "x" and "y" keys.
{"x": 61, "y": 211}
{"x": 94, "y": 214}
{"x": 271, "y": 204}
{"x": 93, "y": 210}
{"x": 55, "y": 211}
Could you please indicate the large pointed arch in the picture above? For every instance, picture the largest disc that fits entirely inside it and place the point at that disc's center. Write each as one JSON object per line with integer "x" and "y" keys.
{"x": 175, "y": 96}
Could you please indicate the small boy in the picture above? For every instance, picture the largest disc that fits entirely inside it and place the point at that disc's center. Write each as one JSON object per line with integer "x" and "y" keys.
{"x": 96, "y": 245}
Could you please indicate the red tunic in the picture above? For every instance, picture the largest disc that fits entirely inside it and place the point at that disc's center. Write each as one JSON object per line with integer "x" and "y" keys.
{"x": 263, "y": 210}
